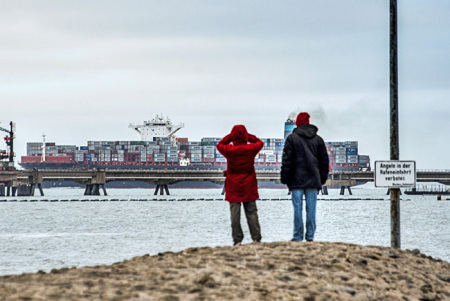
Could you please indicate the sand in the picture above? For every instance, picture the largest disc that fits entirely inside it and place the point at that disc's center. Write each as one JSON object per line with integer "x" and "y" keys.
{"x": 264, "y": 271}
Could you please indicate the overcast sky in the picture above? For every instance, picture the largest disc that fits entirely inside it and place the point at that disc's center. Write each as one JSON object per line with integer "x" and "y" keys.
{"x": 83, "y": 70}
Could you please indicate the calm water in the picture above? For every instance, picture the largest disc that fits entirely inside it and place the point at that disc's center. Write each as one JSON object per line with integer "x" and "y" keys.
{"x": 44, "y": 235}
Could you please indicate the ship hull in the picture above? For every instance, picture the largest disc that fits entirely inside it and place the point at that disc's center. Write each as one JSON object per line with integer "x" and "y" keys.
{"x": 40, "y": 166}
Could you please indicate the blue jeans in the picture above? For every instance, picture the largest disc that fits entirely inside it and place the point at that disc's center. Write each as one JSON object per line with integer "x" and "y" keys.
{"x": 310, "y": 200}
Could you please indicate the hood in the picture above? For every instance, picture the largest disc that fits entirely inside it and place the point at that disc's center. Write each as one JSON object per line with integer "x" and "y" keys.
{"x": 306, "y": 130}
{"x": 239, "y": 135}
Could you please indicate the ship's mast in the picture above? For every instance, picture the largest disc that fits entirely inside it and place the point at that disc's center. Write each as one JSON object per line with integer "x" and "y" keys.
{"x": 43, "y": 148}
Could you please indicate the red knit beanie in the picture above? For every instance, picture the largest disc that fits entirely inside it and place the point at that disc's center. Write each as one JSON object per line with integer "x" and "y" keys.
{"x": 302, "y": 118}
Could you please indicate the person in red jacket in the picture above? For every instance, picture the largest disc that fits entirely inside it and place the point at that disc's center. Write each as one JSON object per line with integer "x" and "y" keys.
{"x": 240, "y": 148}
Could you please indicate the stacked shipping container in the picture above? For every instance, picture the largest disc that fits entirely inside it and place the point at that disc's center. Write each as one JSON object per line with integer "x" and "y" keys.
{"x": 164, "y": 151}
{"x": 344, "y": 156}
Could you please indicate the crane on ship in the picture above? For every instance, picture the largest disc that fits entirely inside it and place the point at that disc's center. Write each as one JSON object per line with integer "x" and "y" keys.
{"x": 9, "y": 139}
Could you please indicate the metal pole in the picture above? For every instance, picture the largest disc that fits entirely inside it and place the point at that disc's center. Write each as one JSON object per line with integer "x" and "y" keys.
{"x": 395, "y": 154}
{"x": 11, "y": 146}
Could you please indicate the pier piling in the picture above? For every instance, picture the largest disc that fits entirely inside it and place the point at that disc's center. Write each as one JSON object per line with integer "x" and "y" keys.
{"x": 88, "y": 189}
{"x": 161, "y": 188}
{"x": 343, "y": 190}
{"x": 104, "y": 189}
{"x": 40, "y": 189}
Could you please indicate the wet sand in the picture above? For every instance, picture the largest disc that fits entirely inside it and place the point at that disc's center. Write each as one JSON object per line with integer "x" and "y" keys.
{"x": 265, "y": 271}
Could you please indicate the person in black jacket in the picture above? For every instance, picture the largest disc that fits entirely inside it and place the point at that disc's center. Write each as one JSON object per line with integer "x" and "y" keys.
{"x": 304, "y": 169}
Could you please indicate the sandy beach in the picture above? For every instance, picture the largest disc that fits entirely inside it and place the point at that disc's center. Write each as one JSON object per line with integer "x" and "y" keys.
{"x": 264, "y": 271}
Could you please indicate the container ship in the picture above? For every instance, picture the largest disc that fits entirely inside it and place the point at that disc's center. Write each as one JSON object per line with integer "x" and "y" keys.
{"x": 159, "y": 148}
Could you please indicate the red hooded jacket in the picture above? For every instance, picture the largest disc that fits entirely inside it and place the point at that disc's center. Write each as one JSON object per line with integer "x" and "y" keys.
{"x": 240, "y": 149}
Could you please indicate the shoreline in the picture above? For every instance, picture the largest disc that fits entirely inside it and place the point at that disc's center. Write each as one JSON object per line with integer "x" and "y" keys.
{"x": 264, "y": 271}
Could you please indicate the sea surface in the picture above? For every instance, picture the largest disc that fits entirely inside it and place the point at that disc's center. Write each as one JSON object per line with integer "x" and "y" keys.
{"x": 65, "y": 228}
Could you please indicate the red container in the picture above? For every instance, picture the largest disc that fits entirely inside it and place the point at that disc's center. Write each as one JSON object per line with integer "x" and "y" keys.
{"x": 30, "y": 159}
{"x": 57, "y": 159}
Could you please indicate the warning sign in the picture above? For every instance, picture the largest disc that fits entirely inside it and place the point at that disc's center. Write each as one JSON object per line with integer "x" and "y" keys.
{"x": 395, "y": 174}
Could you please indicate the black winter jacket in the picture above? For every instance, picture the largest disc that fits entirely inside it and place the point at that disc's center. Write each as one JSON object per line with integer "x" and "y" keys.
{"x": 305, "y": 162}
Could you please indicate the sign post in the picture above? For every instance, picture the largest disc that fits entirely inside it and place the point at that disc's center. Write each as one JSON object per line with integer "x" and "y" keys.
{"x": 395, "y": 154}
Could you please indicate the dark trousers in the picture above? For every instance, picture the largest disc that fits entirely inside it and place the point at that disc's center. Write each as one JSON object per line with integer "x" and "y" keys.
{"x": 251, "y": 213}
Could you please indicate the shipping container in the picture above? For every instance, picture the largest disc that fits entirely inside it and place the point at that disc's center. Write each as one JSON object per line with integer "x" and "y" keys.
{"x": 351, "y": 144}
{"x": 341, "y": 154}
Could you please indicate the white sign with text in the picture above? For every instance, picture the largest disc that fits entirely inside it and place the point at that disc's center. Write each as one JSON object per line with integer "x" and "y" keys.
{"x": 395, "y": 174}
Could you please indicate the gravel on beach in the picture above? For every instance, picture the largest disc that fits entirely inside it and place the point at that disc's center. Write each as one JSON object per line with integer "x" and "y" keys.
{"x": 258, "y": 271}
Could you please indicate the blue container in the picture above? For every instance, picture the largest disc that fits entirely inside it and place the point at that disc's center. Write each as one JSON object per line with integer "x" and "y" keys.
{"x": 84, "y": 148}
{"x": 352, "y": 151}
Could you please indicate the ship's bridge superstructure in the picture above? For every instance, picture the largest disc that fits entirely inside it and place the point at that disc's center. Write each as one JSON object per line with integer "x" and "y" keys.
{"x": 159, "y": 126}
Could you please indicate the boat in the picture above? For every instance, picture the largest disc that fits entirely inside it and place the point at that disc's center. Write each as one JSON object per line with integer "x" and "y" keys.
{"x": 159, "y": 148}
{"x": 439, "y": 191}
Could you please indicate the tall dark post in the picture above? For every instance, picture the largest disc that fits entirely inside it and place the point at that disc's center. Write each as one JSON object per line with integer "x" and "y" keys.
{"x": 395, "y": 154}
{"x": 11, "y": 145}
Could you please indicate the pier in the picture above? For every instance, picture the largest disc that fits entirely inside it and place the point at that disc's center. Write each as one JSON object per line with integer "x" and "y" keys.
{"x": 25, "y": 182}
